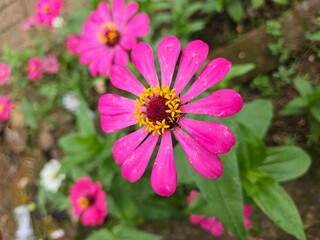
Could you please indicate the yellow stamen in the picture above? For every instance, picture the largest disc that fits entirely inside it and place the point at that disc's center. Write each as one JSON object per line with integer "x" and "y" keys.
{"x": 172, "y": 109}
{"x": 83, "y": 202}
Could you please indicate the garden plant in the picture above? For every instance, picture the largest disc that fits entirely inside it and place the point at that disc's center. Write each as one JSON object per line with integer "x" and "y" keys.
{"x": 121, "y": 120}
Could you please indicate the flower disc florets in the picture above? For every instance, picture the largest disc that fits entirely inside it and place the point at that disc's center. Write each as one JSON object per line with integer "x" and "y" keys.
{"x": 158, "y": 108}
{"x": 109, "y": 35}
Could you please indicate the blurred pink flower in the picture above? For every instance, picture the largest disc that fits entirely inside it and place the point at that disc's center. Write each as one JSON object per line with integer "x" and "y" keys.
{"x": 212, "y": 224}
{"x": 161, "y": 111}
{"x": 88, "y": 201}
{"x": 34, "y": 69}
{"x": 47, "y": 11}
{"x": 72, "y": 43}
{"x": 247, "y": 211}
{"x": 5, "y": 72}
{"x": 50, "y": 64}
{"x": 109, "y": 33}
{"x": 26, "y": 25}
{"x": 5, "y": 108}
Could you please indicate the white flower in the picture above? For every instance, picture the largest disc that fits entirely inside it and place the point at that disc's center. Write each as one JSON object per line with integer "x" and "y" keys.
{"x": 70, "y": 102}
{"x": 57, "y": 22}
{"x": 49, "y": 177}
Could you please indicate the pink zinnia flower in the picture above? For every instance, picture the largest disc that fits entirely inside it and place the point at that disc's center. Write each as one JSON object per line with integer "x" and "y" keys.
{"x": 5, "y": 108}
{"x": 72, "y": 43}
{"x": 109, "y": 33}
{"x": 50, "y": 64}
{"x": 160, "y": 111}
{"x": 5, "y": 72}
{"x": 47, "y": 10}
{"x": 34, "y": 68}
{"x": 88, "y": 201}
{"x": 26, "y": 25}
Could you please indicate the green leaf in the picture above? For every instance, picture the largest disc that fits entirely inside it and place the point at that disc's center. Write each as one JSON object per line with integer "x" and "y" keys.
{"x": 31, "y": 119}
{"x": 120, "y": 201}
{"x": 315, "y": 111}
{"x": 315, "y": 36}
{"x": 224, "y": 196}
{"x": 251, "y": 150}
{"x": 257, "y": 3}
{"x": 302, "y": 86}
{"x": 256, "y": 115}
{"x": 156, "y": 208}
{"x": 296, "y": 106}
{"x": 185, "y": 171}
{"x": 286, "y": 162}
{"x": 102, "y": 234}
{"x": 235, "y": 10}
{"x": 84, "y": 121}
{"x": 72, "y": 143}
{"x": 275, "y": 202}
{"x": 238, "y": 70}
{"x": 282, "y": 2}
{"x": 123, "y": 232}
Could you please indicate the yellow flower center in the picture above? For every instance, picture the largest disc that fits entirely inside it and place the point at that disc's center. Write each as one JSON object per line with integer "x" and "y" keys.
{"x": 158, "y": 109}
{"x": 46, "y": 9}
{"x": 83, "y": 202}
{"x": 108, "y": 34}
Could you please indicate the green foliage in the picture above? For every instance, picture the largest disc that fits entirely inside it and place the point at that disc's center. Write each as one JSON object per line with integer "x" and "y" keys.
{"x": 235, "y": 10}
{"x": 275, "y": 202}
{"x": 284, "y": 74}
{"x": 122, "y": 232}
{"x": 263, "y": 84}
{"x": 307, "y": 104}
{"x": 259, "y": 110}
{"x": 260, "y": 169}
{"x": 274, "y": 28}
{"x": 285, "y": 163}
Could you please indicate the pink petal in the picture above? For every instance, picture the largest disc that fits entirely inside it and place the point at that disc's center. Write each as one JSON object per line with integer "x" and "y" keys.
{"x": 113, "y": 104}
{"x": 142, "y": 58}
{"x": 117, "y": 8}
{"x": 138, "y": 26}
{"x": 134, "y": 167}
{"x": 213, "y": 136}
{"x": 114, "y": 123}
{"x": 94, "y": 67}
{"x": 123, "y": 79}
{"x": 104, "y": 12}
{"x": 121, "y": 57}
{"x": 193, "y": 194}
{"x": 247, "y": 210}
{"x": 220, "y": 104}
{"x": 164, "y": 174}
{"x": 130, "y": 9}
{"x": 205, "y": 163}
{"x": 127, "y": 41}
{"x": 211, "y": 74}
{"x": 88, "y": 56}
{"x": 217, "y": 228}
{"x": 92, "y": 217}
{"x": 196, "y": 219}
{"x": 247, "y": 223}
{"x": 207, "y": 223}
{"x": 124, "y": 146}
{"x": 105, "y": 63}
{"x": 193, "y": 56}
{"x": 168, "y": 53}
